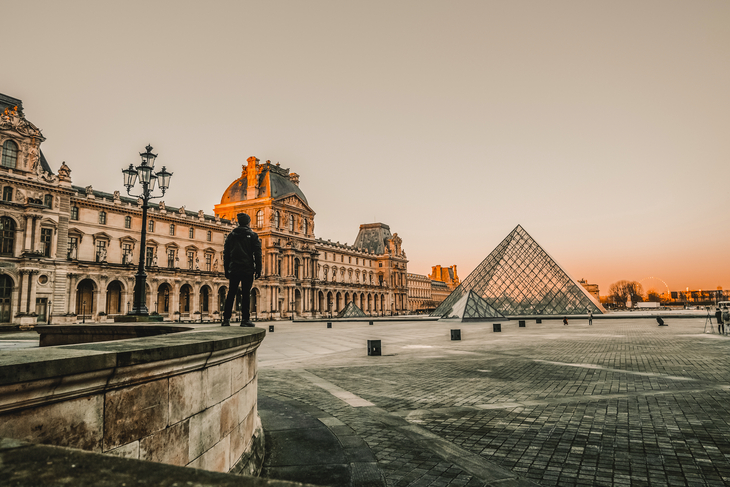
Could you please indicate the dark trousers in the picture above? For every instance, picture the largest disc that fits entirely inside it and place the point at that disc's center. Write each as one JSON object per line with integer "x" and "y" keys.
{"x": 246, "y": 281}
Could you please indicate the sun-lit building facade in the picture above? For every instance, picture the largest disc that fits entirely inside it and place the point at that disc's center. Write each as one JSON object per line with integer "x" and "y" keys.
{"x": 308, "y": 276}
{"x": 70, "y": 253}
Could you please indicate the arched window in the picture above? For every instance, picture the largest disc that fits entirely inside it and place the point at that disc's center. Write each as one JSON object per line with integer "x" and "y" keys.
{"x": 277, "y": 219}
{"x": 291, "y": 223}
{"x": 127, "y": 221}
{"x": 260, "y": 219}
{"x": 7, "y": 235}
{"x": 10, "y": 154}
{"x": 304, "y": 226}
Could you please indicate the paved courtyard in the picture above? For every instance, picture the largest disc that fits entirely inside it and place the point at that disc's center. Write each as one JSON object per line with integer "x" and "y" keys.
{"x": 622, "y": 402}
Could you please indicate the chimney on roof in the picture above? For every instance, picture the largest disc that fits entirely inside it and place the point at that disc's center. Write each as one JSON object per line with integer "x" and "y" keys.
{"x": 252, "y": 178}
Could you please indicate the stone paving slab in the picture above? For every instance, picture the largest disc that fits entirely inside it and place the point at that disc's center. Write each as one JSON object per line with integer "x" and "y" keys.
{"x": 622, "y": 402}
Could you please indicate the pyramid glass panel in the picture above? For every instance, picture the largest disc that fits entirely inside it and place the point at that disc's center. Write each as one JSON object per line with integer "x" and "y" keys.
{"x": 471, "y": 307}
{"x": 518, "y": 278}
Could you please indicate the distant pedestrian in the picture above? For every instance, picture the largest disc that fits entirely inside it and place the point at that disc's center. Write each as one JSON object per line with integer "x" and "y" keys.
{"x": 660, "y": 321}
{"x": 565, "y": 320}
{"x": 725, "y": 317}
{"x": 590, "y": 318}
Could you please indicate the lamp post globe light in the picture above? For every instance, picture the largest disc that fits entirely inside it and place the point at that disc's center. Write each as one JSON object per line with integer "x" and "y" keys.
{"x": 147, "y": 179}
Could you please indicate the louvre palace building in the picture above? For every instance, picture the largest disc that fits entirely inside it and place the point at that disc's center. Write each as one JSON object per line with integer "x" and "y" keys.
{"x": 70, "y": 253}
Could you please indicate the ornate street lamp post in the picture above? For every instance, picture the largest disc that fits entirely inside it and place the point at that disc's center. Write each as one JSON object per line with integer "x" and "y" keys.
{"x": 148, "y": 180}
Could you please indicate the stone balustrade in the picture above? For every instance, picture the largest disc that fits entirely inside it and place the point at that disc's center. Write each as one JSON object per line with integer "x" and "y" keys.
{"x": 185, "y": 399}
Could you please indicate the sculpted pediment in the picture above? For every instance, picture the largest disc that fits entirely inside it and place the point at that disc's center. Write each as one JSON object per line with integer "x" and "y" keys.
{"x": 294, "y": 201}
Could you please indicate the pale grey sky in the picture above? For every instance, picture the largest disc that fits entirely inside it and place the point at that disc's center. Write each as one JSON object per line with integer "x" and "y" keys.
{"x": 603, "y": 128}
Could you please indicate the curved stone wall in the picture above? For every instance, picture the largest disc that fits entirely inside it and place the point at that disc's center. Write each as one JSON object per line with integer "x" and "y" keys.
{"x": 185, "y": 399}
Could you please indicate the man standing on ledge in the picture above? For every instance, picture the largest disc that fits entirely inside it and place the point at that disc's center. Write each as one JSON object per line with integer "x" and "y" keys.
{"x": 241, "y": 262}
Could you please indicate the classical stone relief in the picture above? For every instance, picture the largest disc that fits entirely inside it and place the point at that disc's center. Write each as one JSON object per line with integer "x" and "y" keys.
{"x": 13, "y": 120}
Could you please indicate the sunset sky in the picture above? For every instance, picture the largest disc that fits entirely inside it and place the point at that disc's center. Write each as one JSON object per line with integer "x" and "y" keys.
{"x": 603, "y": 128}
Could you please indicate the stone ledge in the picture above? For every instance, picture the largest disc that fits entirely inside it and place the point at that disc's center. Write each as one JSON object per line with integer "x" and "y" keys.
{"x": 26, "y": 465}
{"x": 52, "y": 335}
{"x": 36, "y": 364}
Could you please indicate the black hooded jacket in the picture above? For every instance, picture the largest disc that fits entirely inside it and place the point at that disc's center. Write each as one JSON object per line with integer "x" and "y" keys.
{"x": 242, "y": 252}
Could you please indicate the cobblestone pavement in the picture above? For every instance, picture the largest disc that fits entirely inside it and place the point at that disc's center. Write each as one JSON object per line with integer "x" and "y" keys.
{"x": 622, "y": 402}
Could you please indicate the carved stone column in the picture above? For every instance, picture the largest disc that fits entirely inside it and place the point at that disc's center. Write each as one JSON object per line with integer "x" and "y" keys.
{"x": 31, "y": 291}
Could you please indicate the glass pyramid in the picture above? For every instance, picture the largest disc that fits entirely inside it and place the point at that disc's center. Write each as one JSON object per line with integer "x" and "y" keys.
{"x": 520, "y": 279}
{"x": 351, "y": 311}
{"x": 471, "y": 307}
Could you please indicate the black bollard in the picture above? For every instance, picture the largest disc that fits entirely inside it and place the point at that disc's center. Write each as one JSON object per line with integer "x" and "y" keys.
{"x": 373, "y": 347}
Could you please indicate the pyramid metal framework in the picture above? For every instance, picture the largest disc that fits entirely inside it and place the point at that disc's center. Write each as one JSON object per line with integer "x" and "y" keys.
{"x": 518, "y": 278}
{"x": 351, "y": 311}
{"x": 471, "y": 307}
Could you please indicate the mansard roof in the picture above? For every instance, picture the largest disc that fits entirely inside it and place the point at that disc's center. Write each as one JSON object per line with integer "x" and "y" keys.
{"x": 373, "y": 237}
{"x": 273, "y": 182}
{"x": 126, "y": 199}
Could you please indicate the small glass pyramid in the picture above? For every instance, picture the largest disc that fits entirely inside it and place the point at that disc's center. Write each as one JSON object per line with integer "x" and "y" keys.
{"x": 351, "y": 311}
{"x": 518, "y": 278}
{"x": 471, "y": 307}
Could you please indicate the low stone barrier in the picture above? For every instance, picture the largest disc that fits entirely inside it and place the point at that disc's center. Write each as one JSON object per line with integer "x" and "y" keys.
{"x": 186, "y": 399}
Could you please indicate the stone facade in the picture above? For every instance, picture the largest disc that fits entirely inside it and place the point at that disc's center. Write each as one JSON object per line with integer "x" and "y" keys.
{"x": 186, "y": 399}
{"x": 591, "y": 288}
{"x": 69, "y": 253}
{"x": 445, "y": 274}
{"x": 419, "y": 293}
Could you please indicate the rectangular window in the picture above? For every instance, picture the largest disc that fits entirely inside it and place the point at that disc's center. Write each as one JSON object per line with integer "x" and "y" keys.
{"x": 46, "y": 236}
{"x": 170, "y": 258}
{"x": 191, "y": 233}
{"x": 102, "y": 217}
{"x": 74, "y": 212}
{"x": 208, "y": 259}
{"x": 126, "y": 253}
{"x": 151, "y": 226}
{"x": 209, "y": 236}
{"x": 73, "y": 246}
{"x": 48, "y": 201}
{"x": 101, "y": 250}
{"x": 127, "y": 221}
{"x": 149, "y": 256}
{"x": 172, "y": 229}
{"x": 191, "y": 259}
{"x": 7, "y": 193}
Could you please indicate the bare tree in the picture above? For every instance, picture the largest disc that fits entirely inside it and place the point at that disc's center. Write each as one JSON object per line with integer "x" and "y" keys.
{"x": 623, "y": 291}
